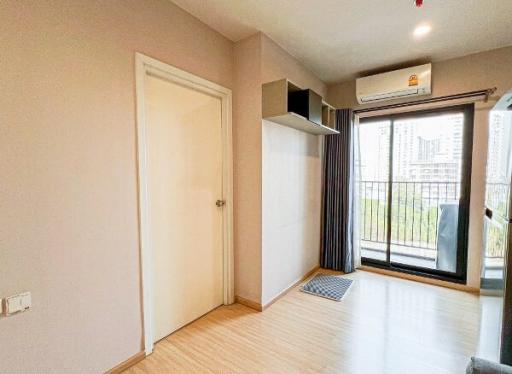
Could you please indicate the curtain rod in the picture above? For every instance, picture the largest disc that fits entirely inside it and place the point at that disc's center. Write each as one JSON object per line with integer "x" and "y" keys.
{"x": 487, "y": 92}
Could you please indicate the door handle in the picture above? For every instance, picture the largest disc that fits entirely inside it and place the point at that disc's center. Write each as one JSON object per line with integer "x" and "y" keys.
{"x": 220, "y": 203}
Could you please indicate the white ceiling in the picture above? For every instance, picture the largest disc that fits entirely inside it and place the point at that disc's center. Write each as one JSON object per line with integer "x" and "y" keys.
{"x": 340, "y": 39}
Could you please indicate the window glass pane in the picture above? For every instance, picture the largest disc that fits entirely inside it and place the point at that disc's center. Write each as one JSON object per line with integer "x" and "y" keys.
{"x": 373, "y": 165}
{"x": 427, "y": 162}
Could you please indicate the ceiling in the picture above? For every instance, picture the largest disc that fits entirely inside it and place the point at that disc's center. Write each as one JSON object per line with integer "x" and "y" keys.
{"x": 341, "y": 39}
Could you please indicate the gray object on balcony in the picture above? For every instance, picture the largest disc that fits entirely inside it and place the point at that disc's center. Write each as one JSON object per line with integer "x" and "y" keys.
{"x": 447, "y": 237}
{"x": 481, "y": 366}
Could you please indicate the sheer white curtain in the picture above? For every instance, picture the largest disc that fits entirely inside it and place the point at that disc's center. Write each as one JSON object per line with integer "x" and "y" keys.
{"x": 356, "y": 211}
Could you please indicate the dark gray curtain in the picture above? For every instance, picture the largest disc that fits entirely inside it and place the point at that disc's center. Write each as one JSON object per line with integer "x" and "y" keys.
{"x": 337, "y": 205}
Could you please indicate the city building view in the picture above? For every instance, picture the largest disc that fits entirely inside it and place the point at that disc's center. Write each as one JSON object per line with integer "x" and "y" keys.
{"x": 497, "y": 194}
{"x": 427, "y": 160}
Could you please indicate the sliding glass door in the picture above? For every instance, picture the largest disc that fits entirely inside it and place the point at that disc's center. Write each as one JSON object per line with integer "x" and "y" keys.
{"x": 414, "y": 185}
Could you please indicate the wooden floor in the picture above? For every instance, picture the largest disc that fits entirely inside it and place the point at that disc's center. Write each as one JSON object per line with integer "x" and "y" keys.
{"x": 383, "y": 325}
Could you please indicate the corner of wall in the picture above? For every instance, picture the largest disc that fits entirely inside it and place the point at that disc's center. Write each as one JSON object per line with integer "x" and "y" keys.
{"x": 277, "y": 63}
{"x": 291, "y": 184}
{"x": 258, "y": 59}
{"x": 247, "y": 148}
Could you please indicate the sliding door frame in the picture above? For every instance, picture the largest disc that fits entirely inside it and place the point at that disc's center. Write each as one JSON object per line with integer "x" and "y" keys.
{"x": 460, "y": 275}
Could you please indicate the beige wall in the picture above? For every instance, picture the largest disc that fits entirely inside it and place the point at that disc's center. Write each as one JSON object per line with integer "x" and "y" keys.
{"x": 278, "y": 64}
{"x": 291, "y": 179}
{"x": 247, "y": 168}
{"x": 68, "y": 191}
{"x": 469, "y": 73}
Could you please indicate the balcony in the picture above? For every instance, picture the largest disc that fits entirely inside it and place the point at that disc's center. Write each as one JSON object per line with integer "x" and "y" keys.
{"x": 415, "y": 215}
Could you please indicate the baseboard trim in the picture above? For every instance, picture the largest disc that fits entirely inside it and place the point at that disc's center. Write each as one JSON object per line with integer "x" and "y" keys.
{"x": 260, "y": 308}
{"x": 289, "y": 288}
{"x": 249, "y": 303}
{"x": 128, "y": 363}
{"x": 417, "y": 278}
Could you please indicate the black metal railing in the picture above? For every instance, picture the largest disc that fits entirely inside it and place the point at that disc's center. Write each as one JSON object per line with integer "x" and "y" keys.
{"x": 414, "y": 211}
{"x": 497, "y": 196}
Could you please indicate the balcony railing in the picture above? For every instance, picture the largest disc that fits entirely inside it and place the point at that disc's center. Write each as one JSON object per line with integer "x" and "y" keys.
{"x": 415, "y": 211}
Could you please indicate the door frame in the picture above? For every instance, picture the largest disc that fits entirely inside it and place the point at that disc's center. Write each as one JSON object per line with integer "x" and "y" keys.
{"x": 460, "y": 275}
{"x": 145, "y": 65}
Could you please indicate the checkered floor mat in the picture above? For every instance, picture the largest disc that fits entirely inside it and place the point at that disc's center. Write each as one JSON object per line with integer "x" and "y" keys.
{"x": 328, "y": 286}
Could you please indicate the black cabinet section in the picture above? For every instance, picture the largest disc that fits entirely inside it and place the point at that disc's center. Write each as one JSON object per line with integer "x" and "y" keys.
{"x": 306, "y": 103}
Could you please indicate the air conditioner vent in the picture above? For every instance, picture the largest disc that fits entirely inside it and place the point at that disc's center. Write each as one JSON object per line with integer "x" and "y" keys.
{"x": 396, "y": 84}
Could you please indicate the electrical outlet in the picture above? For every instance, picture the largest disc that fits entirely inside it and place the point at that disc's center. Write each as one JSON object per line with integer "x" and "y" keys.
{"x": 18, "y": 303}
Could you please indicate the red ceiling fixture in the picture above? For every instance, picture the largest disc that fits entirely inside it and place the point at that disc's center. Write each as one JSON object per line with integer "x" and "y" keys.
{"x": 418, "y": 3}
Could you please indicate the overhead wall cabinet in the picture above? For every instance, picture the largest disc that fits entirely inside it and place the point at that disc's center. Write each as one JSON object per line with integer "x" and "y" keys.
{"x": 287, "y": 104}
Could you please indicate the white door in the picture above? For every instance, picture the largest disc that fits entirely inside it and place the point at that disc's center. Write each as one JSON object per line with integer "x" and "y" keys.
{"x": 184, "y": 170}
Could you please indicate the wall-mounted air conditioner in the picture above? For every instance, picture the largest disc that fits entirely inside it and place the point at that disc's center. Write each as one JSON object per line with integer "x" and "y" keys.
{"x": 395, "y": 84}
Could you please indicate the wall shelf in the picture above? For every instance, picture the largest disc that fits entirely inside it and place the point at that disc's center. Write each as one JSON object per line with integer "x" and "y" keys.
{"x": 298, "y": 122}
{"x": 276, "y": 97}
